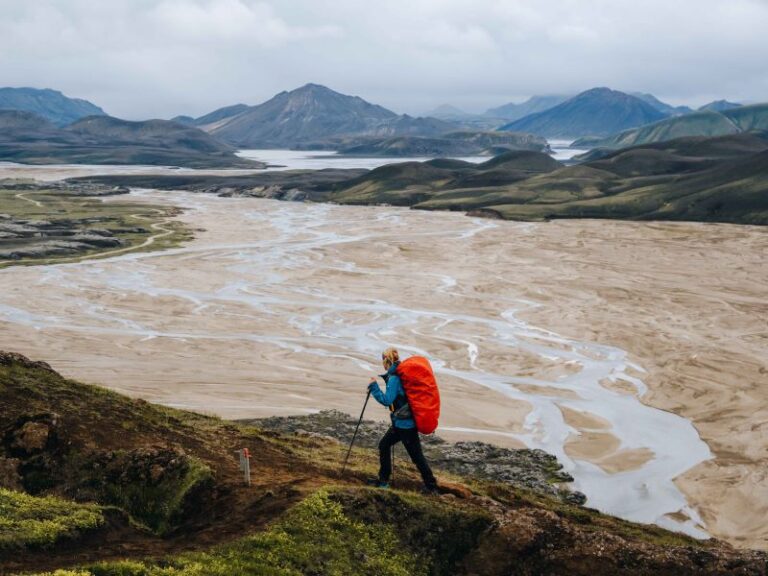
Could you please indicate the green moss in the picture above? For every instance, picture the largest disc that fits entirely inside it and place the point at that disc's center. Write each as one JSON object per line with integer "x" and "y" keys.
{"x": 83, "y": 213}
{"x": 160, "y": 506}
{"x": 440, "y": 534}
{"x": 67, "y": 573}
{"x": 317, "y": 536}
{"x": 32, "y": 521}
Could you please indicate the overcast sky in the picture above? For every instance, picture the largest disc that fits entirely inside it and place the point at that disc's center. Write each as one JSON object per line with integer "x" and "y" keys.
{"x": 159, "y": 58}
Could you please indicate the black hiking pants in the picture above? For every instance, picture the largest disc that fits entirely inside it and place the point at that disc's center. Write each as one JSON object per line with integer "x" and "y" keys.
{"x": 410, "y": 439}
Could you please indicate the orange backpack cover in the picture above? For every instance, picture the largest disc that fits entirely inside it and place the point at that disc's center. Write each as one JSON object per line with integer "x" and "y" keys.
{"x": 420, "y": 387}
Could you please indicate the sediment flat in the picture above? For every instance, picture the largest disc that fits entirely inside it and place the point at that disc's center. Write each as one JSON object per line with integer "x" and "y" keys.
{"x": 599, "y": 341}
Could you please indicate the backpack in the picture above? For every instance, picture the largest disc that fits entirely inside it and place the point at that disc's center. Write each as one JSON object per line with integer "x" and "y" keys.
{"x": 420, "y": 387}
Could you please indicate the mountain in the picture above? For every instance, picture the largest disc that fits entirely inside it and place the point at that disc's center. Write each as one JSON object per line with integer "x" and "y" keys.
{"x": 596, "y": 112}
{"x": 49, "y": 104}
{"x": 706, "y": 123}
{"x": 662, "y": 107}
{"x": 28, "y": 138}
{"x": 211, "y": 119}
{"x": 311, "y": 116}
{"x": 533, "y": 105}
{"x": 719, "y": 106}
{"x": 449, "y": 112}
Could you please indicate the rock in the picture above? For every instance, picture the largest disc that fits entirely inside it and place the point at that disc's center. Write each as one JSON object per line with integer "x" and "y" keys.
{"x": 9, "y": 474}
{"x": 156, "y": 472}
{"x": 32, "y": 437}
{"x": 316, "y": 436}
{"x": 100, "y": 232}
{"x": 11, "y": 358}
{"x": 456, "y": 490}
{"x": 574, "y": 497}
{"x": 97, "y": 240}
{"x": 534, "y": 470}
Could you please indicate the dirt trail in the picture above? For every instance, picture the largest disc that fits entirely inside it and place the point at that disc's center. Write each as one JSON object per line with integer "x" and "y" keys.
{"x": 35, "y": 202}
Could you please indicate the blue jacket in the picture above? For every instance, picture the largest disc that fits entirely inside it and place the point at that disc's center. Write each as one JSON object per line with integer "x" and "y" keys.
{"x": 393, "y": 396}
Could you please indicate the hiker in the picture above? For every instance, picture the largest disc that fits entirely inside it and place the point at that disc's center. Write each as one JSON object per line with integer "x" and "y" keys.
{"x": 403, "y": 428}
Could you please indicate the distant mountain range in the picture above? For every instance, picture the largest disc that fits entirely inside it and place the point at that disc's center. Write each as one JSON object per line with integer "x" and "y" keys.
{"x": 598, "y": 112}
{"x": 533, "y": 105}
{"x": 719, "y": 106}
{"x": 706, "y": 123}
{"x": 28, "y": 138}
{"x": 315, "y": 117}
{"x": 450, "y": 113}
{"x": 662, "y": 107}
{"x": 49, "y": 104}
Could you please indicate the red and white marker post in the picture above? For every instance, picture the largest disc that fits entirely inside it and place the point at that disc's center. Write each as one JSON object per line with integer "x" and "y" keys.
{"x": 245, "y": 464}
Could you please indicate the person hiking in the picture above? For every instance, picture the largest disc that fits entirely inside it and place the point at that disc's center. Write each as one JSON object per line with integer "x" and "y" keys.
{"x": 403, "y": 428}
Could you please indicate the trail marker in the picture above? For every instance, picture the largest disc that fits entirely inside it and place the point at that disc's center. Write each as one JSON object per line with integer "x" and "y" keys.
{"x": 245, "y": 464}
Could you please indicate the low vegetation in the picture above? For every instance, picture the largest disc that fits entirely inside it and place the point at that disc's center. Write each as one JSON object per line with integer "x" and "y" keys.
{"x": 703, "y": 179}
{"x": 40, "y": 225}
{"x": 334, "y": 532}
{"x": 176, "y": 504}
{"x": 706, "y": 123}
{"x": 34, "y": 522}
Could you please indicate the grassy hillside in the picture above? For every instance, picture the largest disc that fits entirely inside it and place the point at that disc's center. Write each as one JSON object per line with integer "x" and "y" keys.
{"x": 698, "y": 179}
{"x": 707, "y": 122}
{"x": 178, "y": 506}
{"x": 414, "y": 183}
{"x": 464, "y": 143}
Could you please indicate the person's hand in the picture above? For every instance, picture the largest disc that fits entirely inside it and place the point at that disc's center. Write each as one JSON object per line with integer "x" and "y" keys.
{"x": 372, "y": 383}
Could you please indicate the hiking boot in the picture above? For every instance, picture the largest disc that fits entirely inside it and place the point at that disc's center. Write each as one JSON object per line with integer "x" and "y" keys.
{"x": 376, "y": 483}
{"x": 430, "y": 491}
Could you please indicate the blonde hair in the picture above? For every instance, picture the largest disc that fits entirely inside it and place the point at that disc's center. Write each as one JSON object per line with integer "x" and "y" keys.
{"x": 389, "y": 357}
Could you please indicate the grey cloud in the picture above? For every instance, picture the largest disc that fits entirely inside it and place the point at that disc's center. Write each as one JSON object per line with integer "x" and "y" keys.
{"x": 159, "y": 58}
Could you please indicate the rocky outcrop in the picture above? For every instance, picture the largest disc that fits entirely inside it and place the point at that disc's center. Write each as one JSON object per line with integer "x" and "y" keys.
{"x": 530, "y": 469}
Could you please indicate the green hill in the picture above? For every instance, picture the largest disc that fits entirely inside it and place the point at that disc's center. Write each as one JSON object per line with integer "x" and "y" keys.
{"x": 106, "y": 485}
{"x": 706, "y": 123}
{"x": 415, "y": 183}
{"x": 722, "y": 179}
{"x": 461, "y": 143}
{"x": 30, "y": 139}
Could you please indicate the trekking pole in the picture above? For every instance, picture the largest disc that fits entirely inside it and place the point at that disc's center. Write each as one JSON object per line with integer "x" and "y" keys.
{"x": 346, "y": 459}
{"x": 392, "y": 481}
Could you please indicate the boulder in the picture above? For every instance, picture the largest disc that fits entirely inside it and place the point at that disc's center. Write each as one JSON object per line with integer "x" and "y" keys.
{"x": 32, "y": 435}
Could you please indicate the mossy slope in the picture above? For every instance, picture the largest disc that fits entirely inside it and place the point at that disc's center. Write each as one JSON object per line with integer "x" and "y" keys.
{"x": 298, "y": 516}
